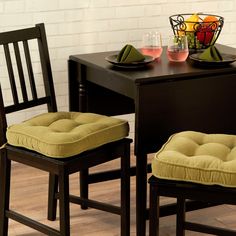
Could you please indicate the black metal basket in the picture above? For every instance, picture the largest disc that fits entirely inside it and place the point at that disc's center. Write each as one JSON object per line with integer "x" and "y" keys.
{"x": 200, "y": 34}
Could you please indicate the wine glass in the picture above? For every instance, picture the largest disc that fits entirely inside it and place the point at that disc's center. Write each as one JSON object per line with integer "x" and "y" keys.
{"x": 152, "y": 44}
{"x": 177, "y": 49}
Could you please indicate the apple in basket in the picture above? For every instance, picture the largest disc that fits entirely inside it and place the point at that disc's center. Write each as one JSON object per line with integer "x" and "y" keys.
{"x": 205, "y": 31}
{"x": 205, "y": 35}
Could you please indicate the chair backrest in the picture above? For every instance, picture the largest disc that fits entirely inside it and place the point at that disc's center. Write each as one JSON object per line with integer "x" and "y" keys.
{"x": 20, "y": 73}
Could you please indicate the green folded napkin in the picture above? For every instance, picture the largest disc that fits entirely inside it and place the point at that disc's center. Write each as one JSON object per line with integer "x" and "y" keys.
{"x": 211, "y": 54}
{"x": 129, "y": 54}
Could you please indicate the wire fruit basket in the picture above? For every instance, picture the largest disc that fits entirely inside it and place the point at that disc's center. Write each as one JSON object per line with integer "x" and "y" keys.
{"x": 202, "y": 30}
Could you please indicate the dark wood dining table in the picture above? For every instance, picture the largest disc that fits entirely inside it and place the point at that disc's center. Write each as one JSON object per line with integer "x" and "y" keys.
{"x": 166, "y": 97}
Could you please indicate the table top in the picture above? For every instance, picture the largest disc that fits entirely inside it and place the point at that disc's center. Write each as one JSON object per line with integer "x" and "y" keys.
{"x": 158, "y": 70}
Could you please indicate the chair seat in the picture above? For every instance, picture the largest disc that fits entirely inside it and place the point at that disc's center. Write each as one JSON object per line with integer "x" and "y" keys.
{"x": 64, "y": 134}
{"x": 198, "y": 157}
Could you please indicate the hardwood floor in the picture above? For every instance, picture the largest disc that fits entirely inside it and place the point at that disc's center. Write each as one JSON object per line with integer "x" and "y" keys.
{"x": 29, "y": 197}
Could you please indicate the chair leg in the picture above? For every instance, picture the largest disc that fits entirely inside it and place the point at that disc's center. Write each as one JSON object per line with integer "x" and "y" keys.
{"x": 52, "y": 201}
{"x": 64, "y": 203}
{"x": 180, "y": 217}
{"x": 84, "y": 187}
{"x": 125, "y": 192}
{"x": 5, "y": 175}
{"x": 141, "y": 193}
{"x": 154, "y": 213}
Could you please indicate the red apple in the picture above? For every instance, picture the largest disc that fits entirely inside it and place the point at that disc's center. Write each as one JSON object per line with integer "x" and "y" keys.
{"x": 205, "y": 35}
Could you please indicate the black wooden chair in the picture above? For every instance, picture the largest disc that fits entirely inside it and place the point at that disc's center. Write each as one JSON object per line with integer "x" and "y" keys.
{"x": 60, "y": 143}
{"x": 193, "y": 166}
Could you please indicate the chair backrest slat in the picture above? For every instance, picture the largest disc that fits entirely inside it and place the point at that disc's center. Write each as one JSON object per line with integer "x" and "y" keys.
{"x": 20, "y": 71}
{"x": 11, "y": 73}
{"x": 46, "y": 68}
{"x": 30, "y": 69}
{"x": 25, "y": 105}
{"x": 19, "y": 35}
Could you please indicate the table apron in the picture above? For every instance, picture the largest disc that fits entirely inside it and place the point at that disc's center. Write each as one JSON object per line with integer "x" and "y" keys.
{"x": 205, "y": 104}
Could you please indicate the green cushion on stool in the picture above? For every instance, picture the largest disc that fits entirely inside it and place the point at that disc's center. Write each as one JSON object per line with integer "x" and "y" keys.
{"x": 197, "y": 157}
{"x": 64, "y": 134}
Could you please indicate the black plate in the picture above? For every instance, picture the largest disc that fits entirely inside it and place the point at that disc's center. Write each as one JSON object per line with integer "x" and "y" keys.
{"x": 227, "y": 59}
{"x": 113, "y": 60}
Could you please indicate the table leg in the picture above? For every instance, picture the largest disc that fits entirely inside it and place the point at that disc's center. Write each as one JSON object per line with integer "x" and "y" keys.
{"x": 141, "y": 194}
{"x": 73, "y": 85}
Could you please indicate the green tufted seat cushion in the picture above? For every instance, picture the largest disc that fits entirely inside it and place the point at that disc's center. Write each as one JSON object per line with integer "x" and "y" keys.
{"x": 64, "y": 134}
{"x": 198, "y": 157}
